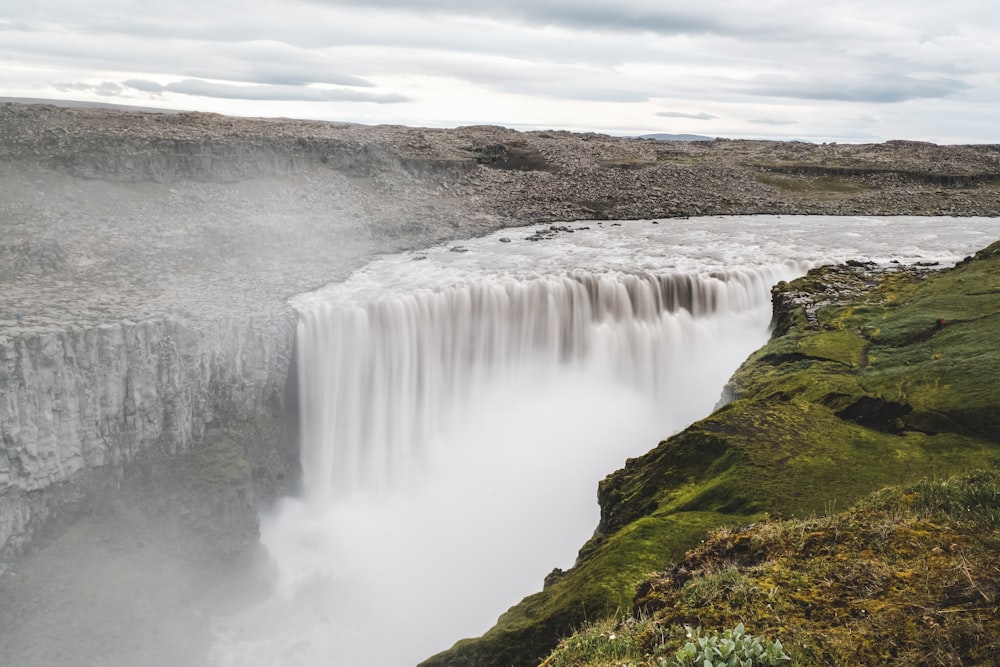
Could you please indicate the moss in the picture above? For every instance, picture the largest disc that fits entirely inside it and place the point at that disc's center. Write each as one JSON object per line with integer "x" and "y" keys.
{"x": 814, "y": 186}
{"x": 909, "y": 575}
{"x": 872, "y": 379}
{"x": 626, "y": 163}
{"x": 899, "y": 578}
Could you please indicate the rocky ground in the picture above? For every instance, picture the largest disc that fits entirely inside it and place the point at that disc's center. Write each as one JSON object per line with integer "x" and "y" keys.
{"x": 108, "y": 214}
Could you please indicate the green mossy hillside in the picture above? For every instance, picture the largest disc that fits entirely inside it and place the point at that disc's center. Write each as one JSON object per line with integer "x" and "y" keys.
{"x": 908, "y": 576}
{"x": 873, "y": 378}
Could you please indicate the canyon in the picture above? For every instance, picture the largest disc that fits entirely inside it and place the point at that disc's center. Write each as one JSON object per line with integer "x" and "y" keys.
{"x": 147, "y": 343}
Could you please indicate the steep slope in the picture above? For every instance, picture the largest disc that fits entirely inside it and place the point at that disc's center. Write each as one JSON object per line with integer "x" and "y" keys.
{"x": 909, "y": 575}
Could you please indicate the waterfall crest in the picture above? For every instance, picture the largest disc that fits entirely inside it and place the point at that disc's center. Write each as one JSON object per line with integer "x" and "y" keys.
{"x": 379, "y": 378}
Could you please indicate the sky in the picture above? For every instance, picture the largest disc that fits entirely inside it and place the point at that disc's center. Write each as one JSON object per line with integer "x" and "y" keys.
{"x": 839, "y": 70}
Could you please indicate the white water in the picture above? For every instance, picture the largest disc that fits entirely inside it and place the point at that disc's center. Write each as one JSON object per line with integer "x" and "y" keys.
{"x": 459, "y": 408}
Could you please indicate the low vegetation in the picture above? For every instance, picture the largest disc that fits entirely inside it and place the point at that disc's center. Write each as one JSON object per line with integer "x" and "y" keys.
{"x": 909, "y": 575}
{"x": 816, "y": 186}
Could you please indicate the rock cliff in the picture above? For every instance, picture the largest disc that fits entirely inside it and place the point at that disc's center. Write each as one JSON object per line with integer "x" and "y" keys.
{"x": 145, "y": 275}
{"x": 94, "y": 397}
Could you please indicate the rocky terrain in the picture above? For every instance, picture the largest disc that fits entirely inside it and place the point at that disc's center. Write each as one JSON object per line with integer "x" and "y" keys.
{"x": 146, "y": 260}
{"x": 109, "y": 214}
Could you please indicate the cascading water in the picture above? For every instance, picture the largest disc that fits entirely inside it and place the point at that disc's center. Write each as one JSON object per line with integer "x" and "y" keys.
{"x": 459, "y": 406}
{"x": 381, "y": 377}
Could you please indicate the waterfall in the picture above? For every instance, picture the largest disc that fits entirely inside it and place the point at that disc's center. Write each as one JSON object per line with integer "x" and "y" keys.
{"x": 460, "y": 404}
{"x": 379, "y": 378}
{"x": 445, "y": 426}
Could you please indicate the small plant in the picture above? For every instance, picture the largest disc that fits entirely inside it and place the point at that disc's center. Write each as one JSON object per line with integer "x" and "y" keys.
{"x": 733, "y": 648}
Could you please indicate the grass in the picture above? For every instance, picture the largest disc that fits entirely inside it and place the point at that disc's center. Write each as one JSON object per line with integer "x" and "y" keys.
{"x": 909, "y": 575}
{"x": 813, "y": 185}
{"x": 626, "y": 163}
{"x": 867, "y": 392}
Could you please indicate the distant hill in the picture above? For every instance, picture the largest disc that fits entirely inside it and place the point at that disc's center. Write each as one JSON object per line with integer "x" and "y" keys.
{"x": 80, "y": 104}
{"x": 677, "y": 137}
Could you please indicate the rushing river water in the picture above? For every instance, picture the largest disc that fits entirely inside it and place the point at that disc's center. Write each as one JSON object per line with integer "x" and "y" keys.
{"x": 461, "y": 403}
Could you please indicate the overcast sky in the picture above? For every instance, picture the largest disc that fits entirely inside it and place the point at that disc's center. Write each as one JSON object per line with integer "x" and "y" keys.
{"x": 838, "y": 70}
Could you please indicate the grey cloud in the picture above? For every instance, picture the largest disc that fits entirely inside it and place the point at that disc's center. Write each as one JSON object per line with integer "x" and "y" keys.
{"x": 885, "y": 89}
{"x": 773, "y": 121}
{"x": 599, "y": 15}
{"x": 276, "y": 63}
{"x": 680, "y": 114}
{"x": 252, "y": 62}
{"x": 279, "y": 74}
{"x": 198, "y": 87}
{"x": 145, "y": 86}
{"x": 15, "y": 26}
{"x": 106, "y": 89}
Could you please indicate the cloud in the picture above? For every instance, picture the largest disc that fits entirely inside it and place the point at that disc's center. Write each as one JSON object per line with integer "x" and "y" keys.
{"x": 680, "y": 114}
{"x": 586, "y": 64}
{"x": 772, "y": 121}
{"x": 646, "y": 16}
{"x": 105, "y": 89}
{"x": 884, "y": 89}
{"x": 578, "y": 14}
{"x": 278, "y": 63}
{"x": 201, "y": 88}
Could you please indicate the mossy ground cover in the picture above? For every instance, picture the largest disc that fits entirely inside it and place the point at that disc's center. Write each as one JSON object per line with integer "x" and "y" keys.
{"x": 910, "y": 575}
{"x": 888, "y": 381}
{"x": 815, "y": 186}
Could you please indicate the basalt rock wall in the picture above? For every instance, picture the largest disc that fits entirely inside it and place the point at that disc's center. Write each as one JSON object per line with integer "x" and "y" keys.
{"x": 147, "y": 260}
{"x": 95, "y": 397}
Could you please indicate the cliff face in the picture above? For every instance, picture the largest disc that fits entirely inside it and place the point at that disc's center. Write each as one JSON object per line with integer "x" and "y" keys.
{"x": 168, "y": 148}
{"x": 86, "y": 397}
{"x": 519, "y": 177}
